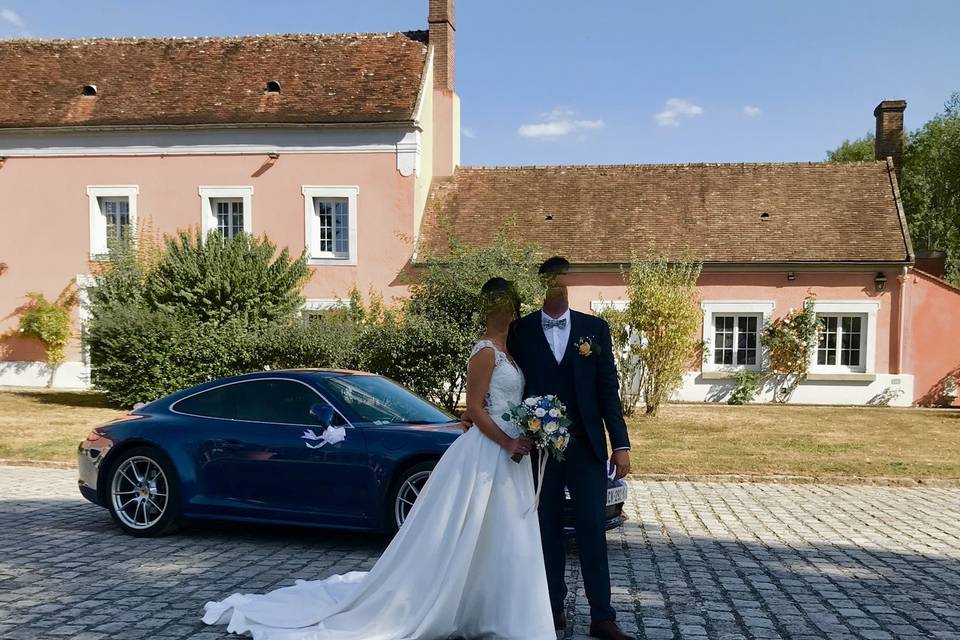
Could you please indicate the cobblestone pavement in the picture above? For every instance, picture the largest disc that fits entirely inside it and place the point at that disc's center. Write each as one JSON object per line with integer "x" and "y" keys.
{"x": 695, "y": 560}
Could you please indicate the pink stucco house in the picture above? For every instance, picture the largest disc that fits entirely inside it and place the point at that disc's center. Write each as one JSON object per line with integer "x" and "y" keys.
{"x": 347, "y": 146}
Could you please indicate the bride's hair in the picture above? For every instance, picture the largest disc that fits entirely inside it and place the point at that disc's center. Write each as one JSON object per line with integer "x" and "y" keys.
{"x": 497, "y": 293}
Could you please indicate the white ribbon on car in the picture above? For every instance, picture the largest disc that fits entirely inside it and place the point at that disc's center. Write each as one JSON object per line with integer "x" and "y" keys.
{"x": 543, "y": 455}
{"x": 331, "y": 435}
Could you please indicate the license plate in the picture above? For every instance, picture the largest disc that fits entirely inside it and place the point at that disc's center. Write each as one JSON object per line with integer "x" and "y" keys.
{"x": 616, "y": 495}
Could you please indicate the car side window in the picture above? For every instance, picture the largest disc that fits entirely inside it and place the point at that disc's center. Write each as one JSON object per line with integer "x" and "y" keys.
{"x": 220, "y": 402}
{"x": 283, "y": 401}
{"x": 271, "y": 400}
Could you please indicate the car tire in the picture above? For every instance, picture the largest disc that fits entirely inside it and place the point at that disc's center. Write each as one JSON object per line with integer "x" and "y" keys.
{"x": 409, "y": 481}
{"x": 143, "y": 493}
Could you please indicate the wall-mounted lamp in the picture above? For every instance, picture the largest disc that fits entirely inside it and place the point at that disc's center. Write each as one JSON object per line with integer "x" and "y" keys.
{"x": 880, "y": 281}
{"x": 791, "y": 275}
{"x": 273, "y": 156}
{"x": 3, "y": 267}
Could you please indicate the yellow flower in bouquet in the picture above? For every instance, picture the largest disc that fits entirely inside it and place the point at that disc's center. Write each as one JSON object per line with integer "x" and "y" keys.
{"x": 534, "y": 424}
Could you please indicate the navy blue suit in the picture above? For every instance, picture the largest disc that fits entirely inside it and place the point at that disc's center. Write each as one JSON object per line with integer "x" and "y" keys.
{"x": 588, "y": 386}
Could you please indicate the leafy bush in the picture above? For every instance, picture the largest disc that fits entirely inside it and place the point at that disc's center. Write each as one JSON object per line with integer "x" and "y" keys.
{"x": 215, "y": 279}
{"x": 747, "y": 385}
{"x": 790, "y": 341}
{"x": 140, "y": 354}
{"x": 665, "y": 310}
{"x": 427, "y": 356}
{"x": 626, "y": 352}
{"x": 319, "y": 343}
{"x": 49, "y": 322}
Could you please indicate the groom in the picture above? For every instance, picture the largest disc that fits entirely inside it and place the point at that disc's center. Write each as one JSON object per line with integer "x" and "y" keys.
{"x": 569, "y": 354}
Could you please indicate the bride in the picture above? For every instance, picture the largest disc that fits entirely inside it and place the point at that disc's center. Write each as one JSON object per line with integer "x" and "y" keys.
{"x": 467, "y": 561}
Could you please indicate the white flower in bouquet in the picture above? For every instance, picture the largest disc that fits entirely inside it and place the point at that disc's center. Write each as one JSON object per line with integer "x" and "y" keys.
{"x": 551, "y": 427}
{"x": 540, "y": 412}
{"x": 530, "y": 402}
{"x": 554, "y": 413}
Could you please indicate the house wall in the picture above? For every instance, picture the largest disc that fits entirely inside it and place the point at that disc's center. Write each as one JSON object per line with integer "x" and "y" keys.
{"x": 932, "y": 348}
{"x": 772, "y": 286}
{"x": 45, "y": 233}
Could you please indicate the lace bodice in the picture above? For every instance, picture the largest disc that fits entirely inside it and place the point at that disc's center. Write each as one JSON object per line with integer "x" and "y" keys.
{"x": 506, "y": 386}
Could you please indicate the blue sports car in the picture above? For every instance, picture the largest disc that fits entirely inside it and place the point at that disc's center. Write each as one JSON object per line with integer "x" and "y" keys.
{"x": 252, "y": 448}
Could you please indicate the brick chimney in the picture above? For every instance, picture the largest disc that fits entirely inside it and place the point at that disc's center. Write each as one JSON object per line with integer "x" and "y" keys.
{"x": 889, "y": 140}
{"x": 443, "y": 34}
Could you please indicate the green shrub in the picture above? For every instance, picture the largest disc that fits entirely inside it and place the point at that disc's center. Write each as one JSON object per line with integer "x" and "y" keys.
{"x": 217, "y": 278}
{"x": 747, "y": 384}
{"x": 790, "y": 341}
{"x": 318, "y": 343}
{"x": 49, "y": 322}
{"x": 138, "y": 354}
{"x": 427, "y": 356}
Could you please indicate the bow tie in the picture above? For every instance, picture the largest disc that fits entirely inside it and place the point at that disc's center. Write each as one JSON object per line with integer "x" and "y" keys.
{"x": 549, "y": 323}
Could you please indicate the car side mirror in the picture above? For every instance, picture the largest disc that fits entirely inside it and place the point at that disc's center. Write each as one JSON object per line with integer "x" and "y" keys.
{"x": 323, "y": 413}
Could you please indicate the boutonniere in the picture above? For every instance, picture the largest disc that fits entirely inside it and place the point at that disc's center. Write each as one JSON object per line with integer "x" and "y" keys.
{"x": 585, "y": 346}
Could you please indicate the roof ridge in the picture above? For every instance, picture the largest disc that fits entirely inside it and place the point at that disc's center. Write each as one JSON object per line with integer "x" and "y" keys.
{"x": 186, "y": 39}
{"x": 651, "y": 165}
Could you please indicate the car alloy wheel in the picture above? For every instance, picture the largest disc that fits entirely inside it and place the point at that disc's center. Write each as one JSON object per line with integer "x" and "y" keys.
{"x": 139, "y": 492}
{"x": 408, "y": 494}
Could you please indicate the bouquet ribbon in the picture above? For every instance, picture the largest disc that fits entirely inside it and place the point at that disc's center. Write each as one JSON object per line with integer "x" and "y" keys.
{"x": 543, "y": 455}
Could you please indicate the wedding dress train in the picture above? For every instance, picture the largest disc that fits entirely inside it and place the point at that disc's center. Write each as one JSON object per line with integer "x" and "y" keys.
{"x": 467, "y": 562}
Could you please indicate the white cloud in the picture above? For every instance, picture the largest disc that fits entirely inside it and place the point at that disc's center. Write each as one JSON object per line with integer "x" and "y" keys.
{"x": 674, "y": 110}
{"x": 557, "y": 123}
{"x": 11, "y": 17}
{"x": 751, "y": 111}
{"x": 468, "y": 132}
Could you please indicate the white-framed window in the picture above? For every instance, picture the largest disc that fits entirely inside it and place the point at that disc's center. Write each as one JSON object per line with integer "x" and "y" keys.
{"x": 847, "y": 336}
{"x": 314, "y": 309}
{"x": 736, "y": 339}
{"x": 731, "y": 333}
{"x": 113, "y": 214}
{"x": 228, "y": 210}
{"x": 330, "y": 224}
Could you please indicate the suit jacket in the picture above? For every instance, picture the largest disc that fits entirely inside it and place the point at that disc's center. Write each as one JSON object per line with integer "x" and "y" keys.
{"x": 595, "y": 375}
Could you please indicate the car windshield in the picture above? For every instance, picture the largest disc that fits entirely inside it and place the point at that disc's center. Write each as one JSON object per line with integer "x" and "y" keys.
{"x": 381, "y": 401}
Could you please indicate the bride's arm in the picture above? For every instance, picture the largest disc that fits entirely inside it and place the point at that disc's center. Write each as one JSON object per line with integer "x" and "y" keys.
{"x": 479, "y": 369}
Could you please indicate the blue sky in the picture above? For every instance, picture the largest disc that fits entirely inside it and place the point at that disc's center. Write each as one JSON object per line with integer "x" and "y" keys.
{"x": 615, "y": 81}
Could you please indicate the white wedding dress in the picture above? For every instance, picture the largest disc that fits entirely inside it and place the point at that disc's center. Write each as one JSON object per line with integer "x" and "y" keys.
{"x": 467, "y": 562}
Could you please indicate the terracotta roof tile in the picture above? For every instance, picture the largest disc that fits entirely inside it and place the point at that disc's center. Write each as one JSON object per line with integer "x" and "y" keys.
{"x": 816, "y": 212}
{"x": 345, "y": 78}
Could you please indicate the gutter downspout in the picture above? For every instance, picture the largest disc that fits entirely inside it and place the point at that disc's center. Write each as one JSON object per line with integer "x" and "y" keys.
{"x": 901, "y": 329}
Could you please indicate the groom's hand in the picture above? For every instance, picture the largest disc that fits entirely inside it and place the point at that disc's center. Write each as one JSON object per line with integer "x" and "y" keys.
{"x": 621, "y": 460}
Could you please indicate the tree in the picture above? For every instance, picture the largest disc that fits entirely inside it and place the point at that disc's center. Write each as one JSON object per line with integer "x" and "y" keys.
{"x": 858, "y": 150}
{"x": 929, "y": 182}
{"x": 425, "y": 342}
{"x": 931, "y": 185}
{"x": 664, "y": 309}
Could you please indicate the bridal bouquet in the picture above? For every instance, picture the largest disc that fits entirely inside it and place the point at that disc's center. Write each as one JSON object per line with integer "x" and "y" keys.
{"x": 543, "y": 420}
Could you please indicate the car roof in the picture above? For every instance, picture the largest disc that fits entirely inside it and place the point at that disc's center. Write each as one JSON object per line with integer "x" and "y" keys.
{"x": 307, "y": 373}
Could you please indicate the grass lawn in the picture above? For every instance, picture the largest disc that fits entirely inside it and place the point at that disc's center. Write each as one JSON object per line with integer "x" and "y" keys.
{"x": 823, "y": 442}
{"x": 684, "y": 440}
{"x": 48, "y": 425}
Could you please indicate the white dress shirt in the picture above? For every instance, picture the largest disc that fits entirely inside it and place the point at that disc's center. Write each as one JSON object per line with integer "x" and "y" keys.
{"x": 557, "y": 338}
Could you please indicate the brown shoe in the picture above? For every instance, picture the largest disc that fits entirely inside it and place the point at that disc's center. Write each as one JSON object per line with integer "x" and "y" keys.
{"x": 608, "y": 630}
{"x": 559, "y": 619}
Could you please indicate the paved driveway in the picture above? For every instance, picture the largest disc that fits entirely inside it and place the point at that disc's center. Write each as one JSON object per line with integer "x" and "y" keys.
{"x": 695, "y": 560}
